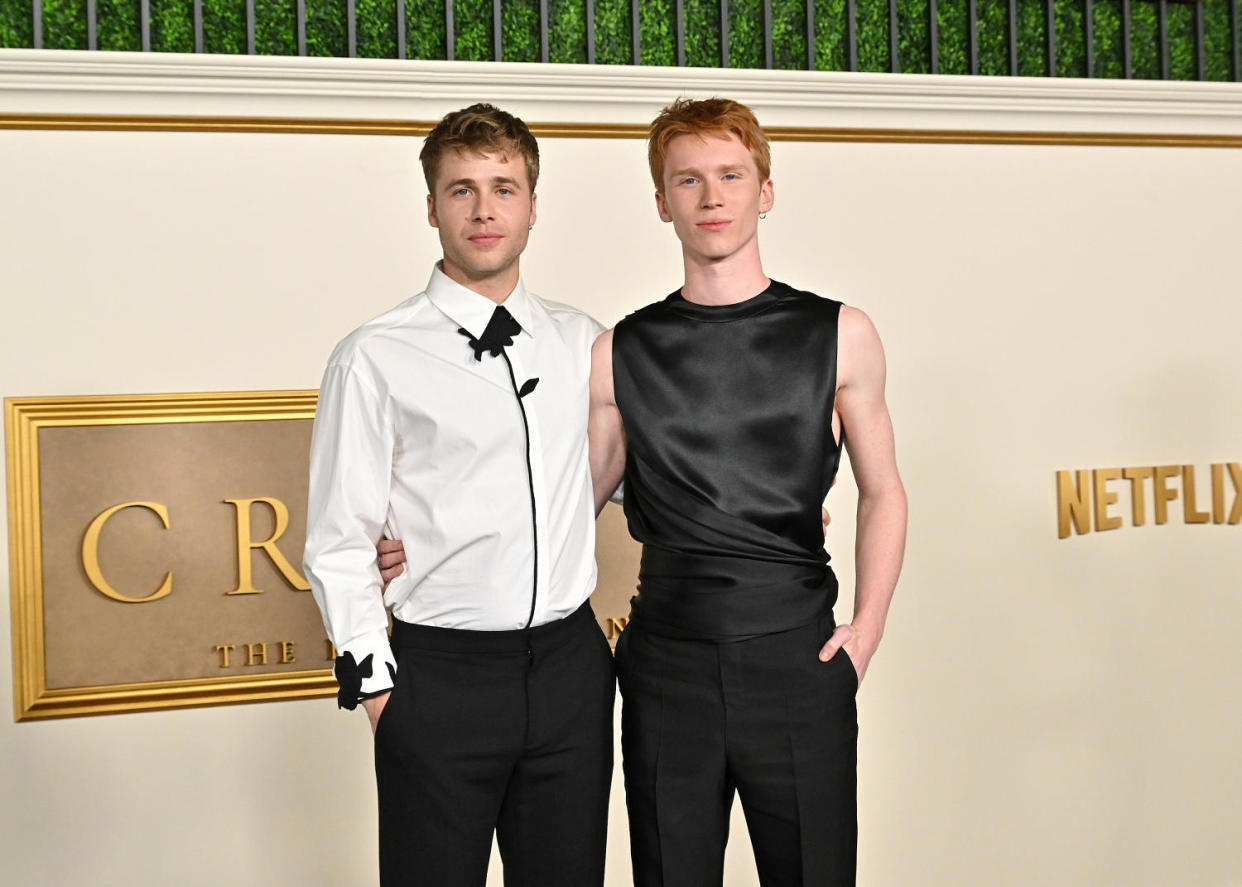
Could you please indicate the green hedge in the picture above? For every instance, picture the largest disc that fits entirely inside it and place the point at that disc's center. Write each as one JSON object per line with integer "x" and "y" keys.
{"x": 224, "y": 31}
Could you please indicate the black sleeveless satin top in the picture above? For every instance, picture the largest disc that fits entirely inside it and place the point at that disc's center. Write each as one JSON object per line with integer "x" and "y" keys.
{"x": 728, "y": 418}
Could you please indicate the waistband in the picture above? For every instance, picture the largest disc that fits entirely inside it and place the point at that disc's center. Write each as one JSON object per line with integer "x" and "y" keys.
{"x": 821, "y": 626}
{"x": 728, "y": 599}
{"x": 467, "y": 640}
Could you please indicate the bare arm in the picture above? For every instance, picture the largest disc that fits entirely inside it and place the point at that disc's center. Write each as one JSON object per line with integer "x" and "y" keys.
{"x": 606, "y": 436}
{"x": 881, "y": 531}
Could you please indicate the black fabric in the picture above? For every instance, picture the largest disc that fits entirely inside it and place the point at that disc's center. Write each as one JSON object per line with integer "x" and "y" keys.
{"x": 497, "y": 336}
{"x": 762, "y": 717}
{"x": 730, "y": 453}
{"x": 349, "y": 677}
{"x": 530, "y": 482}
{"x": 507, "y": 731}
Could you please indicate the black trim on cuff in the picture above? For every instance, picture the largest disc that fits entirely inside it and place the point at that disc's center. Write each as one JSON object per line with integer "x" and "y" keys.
{"x": 350, "y": 674}
{"x": 392, "y": 673}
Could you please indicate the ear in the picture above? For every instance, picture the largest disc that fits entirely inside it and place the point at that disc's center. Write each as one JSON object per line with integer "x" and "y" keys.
{"x": 432, "y": 219}
{"x": 662, "y": 207}
{"x": 534, "y": 198}
{"x": 767, "y": 196}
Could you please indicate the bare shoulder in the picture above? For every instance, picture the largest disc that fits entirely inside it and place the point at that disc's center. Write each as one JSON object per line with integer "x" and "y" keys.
{"x": 860, "y": 354}
{"x": 855, "y": 328}
{"x": 603, "y": 342}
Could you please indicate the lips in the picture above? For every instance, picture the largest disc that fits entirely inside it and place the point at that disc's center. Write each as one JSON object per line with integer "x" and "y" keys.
{"x": 485, "y": 239}
{"x": 714, "y": 225}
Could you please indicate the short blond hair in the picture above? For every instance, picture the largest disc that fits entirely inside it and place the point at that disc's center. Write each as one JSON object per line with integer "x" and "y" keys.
{"x": 714, "y": 116}
{"x": 481, "y": 128}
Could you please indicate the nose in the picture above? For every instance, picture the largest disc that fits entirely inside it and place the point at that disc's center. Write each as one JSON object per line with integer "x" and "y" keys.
{"x": 483, "y": 211}
{"x": 711, "y": 195}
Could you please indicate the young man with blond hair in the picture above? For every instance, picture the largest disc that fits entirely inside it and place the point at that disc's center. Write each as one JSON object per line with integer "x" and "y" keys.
{"x": 457, "y": 420}
{"x": 725, "y": 407}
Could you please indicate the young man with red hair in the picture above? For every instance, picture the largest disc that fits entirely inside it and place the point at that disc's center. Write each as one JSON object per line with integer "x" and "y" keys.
{"x": 725, "y": 407}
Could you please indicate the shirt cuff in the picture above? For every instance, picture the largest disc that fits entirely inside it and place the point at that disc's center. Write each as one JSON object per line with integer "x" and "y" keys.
{"x": 364, "y": 667}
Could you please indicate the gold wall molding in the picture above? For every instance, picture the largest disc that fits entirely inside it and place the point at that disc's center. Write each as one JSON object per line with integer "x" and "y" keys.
{"x": 146, "y": 569}
{"x": 26, "y": 418}
{"x": 419, "y": 128}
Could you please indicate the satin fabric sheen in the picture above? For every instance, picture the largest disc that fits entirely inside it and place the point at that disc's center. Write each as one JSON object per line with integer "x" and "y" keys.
{"x": 728, "y": 418}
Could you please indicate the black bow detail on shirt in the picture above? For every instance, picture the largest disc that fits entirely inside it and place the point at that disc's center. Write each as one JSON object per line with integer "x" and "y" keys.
{"x": 499, "y": 334}
{"x": 349, "y": 674}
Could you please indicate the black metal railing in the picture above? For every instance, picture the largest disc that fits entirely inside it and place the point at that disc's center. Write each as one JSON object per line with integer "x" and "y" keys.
{"x": 1033, "y": 37}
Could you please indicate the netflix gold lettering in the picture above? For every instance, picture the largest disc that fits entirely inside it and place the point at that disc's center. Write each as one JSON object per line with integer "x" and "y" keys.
{"x": 1083, "y": 494}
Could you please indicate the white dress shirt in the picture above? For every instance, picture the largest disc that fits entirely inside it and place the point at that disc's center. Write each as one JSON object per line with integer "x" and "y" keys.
{"x": 417, "y": 440}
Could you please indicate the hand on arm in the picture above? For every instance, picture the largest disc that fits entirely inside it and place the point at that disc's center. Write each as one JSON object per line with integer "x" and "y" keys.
{"x": 881, "y": 528}
{"x": 391, "y": 556}
{"x": 605, "y": 433}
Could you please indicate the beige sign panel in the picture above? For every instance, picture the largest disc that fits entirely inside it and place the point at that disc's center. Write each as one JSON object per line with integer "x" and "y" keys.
{"x": 156, "y": 549}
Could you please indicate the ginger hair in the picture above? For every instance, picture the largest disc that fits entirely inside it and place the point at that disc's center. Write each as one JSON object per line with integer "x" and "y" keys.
{"x": 704, "y": 117}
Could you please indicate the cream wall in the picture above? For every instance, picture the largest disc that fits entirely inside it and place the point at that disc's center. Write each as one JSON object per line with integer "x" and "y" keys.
{"x": 1041, "y": 711}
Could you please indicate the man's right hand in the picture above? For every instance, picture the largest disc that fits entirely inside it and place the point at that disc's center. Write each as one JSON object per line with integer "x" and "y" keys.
{"x": 391, "y": 556}
{"x": 374, "y": 706}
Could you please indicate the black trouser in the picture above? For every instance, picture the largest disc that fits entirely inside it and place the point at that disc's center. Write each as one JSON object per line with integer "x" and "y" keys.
{"x": 763, "y": 717}
{"x": 496, "y": 730}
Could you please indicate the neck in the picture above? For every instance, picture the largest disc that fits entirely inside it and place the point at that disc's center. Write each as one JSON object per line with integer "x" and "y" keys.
{"x": 495, "y": 286}
{"x": 724, "y": 281}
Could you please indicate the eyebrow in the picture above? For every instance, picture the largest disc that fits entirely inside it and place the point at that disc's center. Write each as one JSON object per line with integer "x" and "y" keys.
{"x": 724, "y": 167}
{"x": 495, "y": 180}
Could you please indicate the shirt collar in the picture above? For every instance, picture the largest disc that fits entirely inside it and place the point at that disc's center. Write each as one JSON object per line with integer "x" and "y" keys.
{"x": 472, "y": 311}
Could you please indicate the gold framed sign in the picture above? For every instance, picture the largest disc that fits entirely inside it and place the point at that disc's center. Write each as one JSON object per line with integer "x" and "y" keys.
{"x": 155, "y": 550}
{"x": 155, "y": 546}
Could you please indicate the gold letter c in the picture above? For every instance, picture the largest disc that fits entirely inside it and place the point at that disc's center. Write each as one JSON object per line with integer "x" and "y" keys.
{"x": 90, "y": 554}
